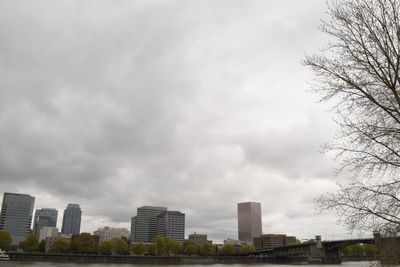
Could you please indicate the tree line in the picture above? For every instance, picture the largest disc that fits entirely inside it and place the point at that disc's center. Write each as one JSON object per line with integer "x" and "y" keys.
{"x": 86, "y": 243}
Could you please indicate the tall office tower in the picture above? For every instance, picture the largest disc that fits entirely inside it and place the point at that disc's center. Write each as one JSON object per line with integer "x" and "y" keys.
{"x": 171, "y": 224}
{"x": 16, "y": 216}
{"x": 72, "y": 219}
{"x": 44, "y": 217}
{"x": 249, "y": 221}
{"x": 146, "y": 223}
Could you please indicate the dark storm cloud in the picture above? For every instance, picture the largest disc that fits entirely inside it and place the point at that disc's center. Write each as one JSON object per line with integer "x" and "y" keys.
{"x": 194, "y": 105}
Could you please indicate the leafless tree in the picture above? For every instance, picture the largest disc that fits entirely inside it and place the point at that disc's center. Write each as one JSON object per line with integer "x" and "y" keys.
{"x": 359, "y": 72}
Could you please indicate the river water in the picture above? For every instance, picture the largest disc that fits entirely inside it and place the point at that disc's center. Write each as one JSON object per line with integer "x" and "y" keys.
{"x": 58, "y": 264}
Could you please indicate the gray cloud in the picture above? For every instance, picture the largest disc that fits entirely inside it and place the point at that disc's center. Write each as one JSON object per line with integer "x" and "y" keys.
{"x": 194, "y": 105}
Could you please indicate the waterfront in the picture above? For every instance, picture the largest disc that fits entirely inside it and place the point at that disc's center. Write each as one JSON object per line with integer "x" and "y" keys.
{"x": 59, "y": 264}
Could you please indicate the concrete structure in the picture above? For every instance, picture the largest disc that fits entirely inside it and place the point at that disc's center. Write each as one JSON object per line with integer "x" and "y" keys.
{"x": 44, "y": 217}
{"x": 249, "y": 221}
{"x": 47, "y": 231}
{"x": 272, "y": 241}
{"x": 318, "y": 252}
{"x": 145, "y": 223}
{"x": 108, "y": 233}
{"x": 16, "y": 216}
{"x": 199, "y": 238}
{"x": 171, "y": 224}
{"x": 72, "y": 219}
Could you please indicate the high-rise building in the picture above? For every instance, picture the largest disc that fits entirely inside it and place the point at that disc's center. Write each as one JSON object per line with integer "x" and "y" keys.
{"x": 145, "y": 223}
{"x": 171, "y": 224}
{"x": 16, "y": 216}
{"x": 44, "y": 217}
{"x": 72, "y": 219}
{"x": 249, "y": 221}
{"x": 109, "y": 233}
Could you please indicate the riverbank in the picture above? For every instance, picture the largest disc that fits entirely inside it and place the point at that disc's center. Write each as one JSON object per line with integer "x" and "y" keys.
{"x": 82, "y": 258}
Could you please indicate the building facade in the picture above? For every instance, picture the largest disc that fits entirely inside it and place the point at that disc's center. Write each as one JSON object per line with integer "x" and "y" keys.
{"x": 133, "y": 226}
{"x": 16, "y": 216}
{"x": 145, "y": 223}
{"x": 249, "y": 221}
{"x": 272, "y": 241}
{"x": 199, "y": 238}
{"x": 47, "y": 231}
{"x": 171, "y": 224}
{"x": 109, "y": 233}
{"x": 72, "y": 219}
{"x": 44, "y": 217}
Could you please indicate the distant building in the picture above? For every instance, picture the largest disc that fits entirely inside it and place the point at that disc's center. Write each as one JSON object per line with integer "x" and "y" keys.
{"x": 16, "y": 216}
{"x": 109, "y": 233}
{"x": 72, "y": 219}
{"x": 133, "y": 225}
{"x": 199, "y": 238}
{"x": 47, "y": 231}
{"x": 44, "y": 217}
{"x": 272, "y": 241}
{"x": 249, "y": 221}
{"x": 145, "y": 223}
{"x": 234, "y": 242}
{"x": 171, "y": 224}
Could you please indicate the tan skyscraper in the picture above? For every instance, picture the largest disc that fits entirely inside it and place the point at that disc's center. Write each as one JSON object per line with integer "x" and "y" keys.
{"x": 249, "y": 221}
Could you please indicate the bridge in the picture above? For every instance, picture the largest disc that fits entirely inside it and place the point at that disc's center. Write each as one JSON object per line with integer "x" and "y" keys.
{"x": 314, "y": 252}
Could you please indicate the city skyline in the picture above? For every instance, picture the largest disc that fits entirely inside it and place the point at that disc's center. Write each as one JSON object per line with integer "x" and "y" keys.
{"x": 193, "y": 105}
{"x": 153, "y": 221}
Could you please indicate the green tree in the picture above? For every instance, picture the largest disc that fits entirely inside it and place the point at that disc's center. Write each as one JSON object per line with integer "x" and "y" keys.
{"x": 160, "y": 245}
{"x": 61, "y": 245}
{"x": 227, "y": 250}
{"x": 121, "y": 246}
{"x": 294, "y": 241}
{"x": 42, "y": 246}
{"x": 247, "y": 249}
{"x": 107, "y": 246}
{"x": 357, "y": 249}
{"x": 139, "y": 248}
{"x": 30, "y": 243}
{"x": 346, "y": 250}
{"x": 370, "y": 249}
{"x": 359, "y": 73}
{"x": 5, "y": 240}
{"x": 84, "y": 243}
{"x": 190, "y": 247}
{"x": 173, "y": 246}
{"x": 207, "y": 249}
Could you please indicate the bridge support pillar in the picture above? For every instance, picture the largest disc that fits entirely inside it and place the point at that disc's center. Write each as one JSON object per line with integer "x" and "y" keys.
{"x": 333, "y": 256}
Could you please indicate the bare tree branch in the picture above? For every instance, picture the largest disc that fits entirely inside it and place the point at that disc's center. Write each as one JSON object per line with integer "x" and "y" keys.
{"x": 360, "y": 72}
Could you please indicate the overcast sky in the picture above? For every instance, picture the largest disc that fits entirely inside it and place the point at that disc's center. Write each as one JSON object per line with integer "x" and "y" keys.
{"x": 192, "y": 105}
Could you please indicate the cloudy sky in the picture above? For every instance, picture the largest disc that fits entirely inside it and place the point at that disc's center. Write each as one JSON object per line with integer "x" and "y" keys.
{"x": 192, "y": 105}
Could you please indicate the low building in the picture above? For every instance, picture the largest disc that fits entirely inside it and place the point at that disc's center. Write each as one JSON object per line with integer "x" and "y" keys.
{"x": 272, "y": 241}
{"x": 109, "y": 233}
{"x": 199, "y": 238}
{"x": 50, "y": 240}
{"x": 47, "y": 231}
